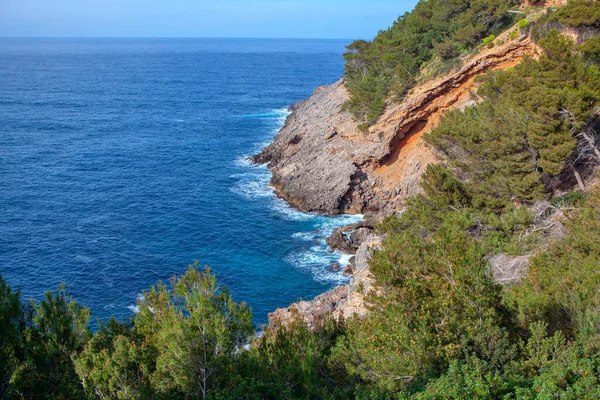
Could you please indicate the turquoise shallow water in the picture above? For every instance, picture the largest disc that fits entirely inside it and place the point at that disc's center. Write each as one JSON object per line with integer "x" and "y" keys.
{"x": 124, "y": 160}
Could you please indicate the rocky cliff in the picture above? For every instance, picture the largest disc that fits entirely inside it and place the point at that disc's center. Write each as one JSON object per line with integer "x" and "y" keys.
{"x": 321, "y": 161}
{"x": 343, "y": 301}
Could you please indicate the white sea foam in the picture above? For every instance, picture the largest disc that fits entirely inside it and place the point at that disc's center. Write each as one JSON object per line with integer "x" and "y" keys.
{"x": 265, "y": 115}
{"x": 277, "y": 113}
{"x": 306, "y": 236}
{"x": 283, "y": 114}
{"x": 317, "y": 259}
{"x": 284, "y": 211}
{"x": 330, "y": 223}
{"x": 345, "y": 259}
{"x": 134, "y": 308}
{"x": 253, "y": 183}
{"x": 244, "y": 162}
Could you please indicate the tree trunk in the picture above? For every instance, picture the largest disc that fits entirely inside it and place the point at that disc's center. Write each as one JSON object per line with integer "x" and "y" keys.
{"x": 579, "y": 180}
{"x": 591, "y": 142}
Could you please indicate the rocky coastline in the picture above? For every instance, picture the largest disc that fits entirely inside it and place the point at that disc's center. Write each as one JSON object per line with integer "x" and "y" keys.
{"x": 322, "y": 162}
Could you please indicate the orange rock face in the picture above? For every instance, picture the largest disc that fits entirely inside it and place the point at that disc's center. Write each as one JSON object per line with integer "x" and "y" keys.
{"x": 321, "y": 147}
{"x": 322, "y": 162}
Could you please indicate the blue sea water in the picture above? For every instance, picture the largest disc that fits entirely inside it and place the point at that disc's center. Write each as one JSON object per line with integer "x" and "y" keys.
{"x": 124, "y": 160}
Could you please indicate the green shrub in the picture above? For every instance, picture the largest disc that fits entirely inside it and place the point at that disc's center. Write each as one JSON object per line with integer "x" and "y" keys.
{"x": 579, "y": 13}
{"x": 562, "y": 285}
{"x": 506, "y": 144}
{"x": 489, "y": 41}
{"x": 12, "y": 328}
{"x": 523, "y": 24}
{"x": 436, "y": 303}
{"x": 591, "y": 49}
{"x": 389, "y": 65}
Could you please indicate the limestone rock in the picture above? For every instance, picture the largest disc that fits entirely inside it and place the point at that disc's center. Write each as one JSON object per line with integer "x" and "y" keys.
{"x": 347, "y": 242}
{"x": 508, "y": 270}
{"x": 343, "y": 301}
{"x": 322, "y": 162}
{"x": 335, "y": 266}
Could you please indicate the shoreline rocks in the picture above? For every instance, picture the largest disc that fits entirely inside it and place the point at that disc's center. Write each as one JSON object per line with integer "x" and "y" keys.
{"x": 347, "y": 242}
{"x": 343, "y": 301}
{"x": 322, "y": 162}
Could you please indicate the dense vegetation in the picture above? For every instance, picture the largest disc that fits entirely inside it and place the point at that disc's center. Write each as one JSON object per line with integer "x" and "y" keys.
{"x": 578, "y": 13}
{"x": 440, "y": 327}
{"x": 435, "y": 29}
{"x": 541, "y": 108}
{"x": 434, "y": 36}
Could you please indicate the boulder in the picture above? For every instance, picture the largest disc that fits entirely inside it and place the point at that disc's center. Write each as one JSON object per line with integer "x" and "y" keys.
{"x": 335, "y": 266}
{"x": 507, "y": 269}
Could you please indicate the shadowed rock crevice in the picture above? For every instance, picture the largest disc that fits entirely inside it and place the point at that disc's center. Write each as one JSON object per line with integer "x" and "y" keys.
{"x": 321, "y": 161}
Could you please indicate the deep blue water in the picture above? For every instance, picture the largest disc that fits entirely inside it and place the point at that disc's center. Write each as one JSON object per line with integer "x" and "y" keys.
{"x": 123, "y": 160}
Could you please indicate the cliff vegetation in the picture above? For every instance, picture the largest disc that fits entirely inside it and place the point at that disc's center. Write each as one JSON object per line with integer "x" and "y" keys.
{"x": 435, "y": 29}
{"x": 445, "y": 319}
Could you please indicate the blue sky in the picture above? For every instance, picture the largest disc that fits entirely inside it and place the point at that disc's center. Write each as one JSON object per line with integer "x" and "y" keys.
{"x": 346, "y": 19}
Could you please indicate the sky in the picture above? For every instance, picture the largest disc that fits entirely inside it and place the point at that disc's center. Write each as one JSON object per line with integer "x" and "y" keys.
{"x": 335, "y": 19}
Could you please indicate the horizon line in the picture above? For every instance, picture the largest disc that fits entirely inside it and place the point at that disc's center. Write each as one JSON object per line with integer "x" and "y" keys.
{"x": 173, "y": 37}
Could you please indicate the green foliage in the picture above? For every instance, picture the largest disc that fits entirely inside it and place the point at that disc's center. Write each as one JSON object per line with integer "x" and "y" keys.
{"x": 12, "y": 327}
{"x": 546, "y": 367}
{"x": 523, "y": 24}
{"x": 182, "y": 342}
{"x": 536, "y": 340}
{"x": 436, "y": 303}
{"x": 566, "y": 372}
{"x": 196, "y": 340}
{"x": 500, "y": 166}
{"x": 523, "y": 128}
{"x": 57, "y": 332}
{"x": 546, "y": 346}
{"x": 513, "y": 35}
{"x": 591, "y": 49}
{"x": 437, "y": 67}
{"x": 489, "y": 41}
{"x": 389, "y": 65}
{"x": 579, "y": 13}
{"x": 568, "y": 199}
{"x": 471, "y": 378}
{"x": 116, "y": 364}
{"x": 443, "y": 188}
{"x": 291, "y": 362}
{"x": 565, "y": 303}
{"x": 449, "y": 201}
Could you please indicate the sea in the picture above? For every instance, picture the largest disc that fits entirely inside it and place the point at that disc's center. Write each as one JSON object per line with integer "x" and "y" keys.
{"x": 123, "y": 161}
